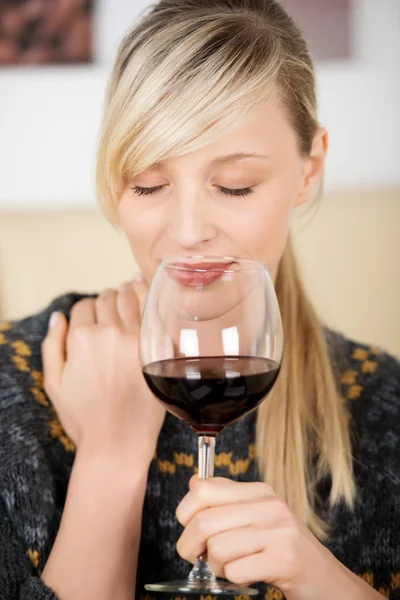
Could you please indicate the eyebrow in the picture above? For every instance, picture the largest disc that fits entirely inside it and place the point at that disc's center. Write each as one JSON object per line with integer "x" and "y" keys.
{"x": 225, "y": 158}
{"x": 237, "y": 156}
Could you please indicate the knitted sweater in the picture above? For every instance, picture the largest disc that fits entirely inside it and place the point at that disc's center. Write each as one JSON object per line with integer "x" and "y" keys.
{"x": 36, "y": 458}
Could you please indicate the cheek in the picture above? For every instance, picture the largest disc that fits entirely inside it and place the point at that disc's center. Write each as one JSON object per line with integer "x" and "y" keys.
{"x": 264, "y": 228}
{"x": 140, "y": 224}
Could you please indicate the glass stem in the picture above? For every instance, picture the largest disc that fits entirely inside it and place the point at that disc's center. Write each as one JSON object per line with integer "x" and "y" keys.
{"x": 206, "y": 456}
{"x": 201, "y": 571}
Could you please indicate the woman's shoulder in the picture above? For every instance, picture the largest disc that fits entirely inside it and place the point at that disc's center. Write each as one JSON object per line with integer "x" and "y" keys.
{"x": 27, "y": 419}
{"x": 20, "y": 344}
{"x": 33, "y": 327}
{"x": 369, "y": 380}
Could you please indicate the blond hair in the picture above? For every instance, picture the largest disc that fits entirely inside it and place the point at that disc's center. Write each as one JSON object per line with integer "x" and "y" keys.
{"x": 189, "y": 72}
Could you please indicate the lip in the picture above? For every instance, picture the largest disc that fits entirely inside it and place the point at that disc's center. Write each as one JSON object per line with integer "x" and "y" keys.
{"x": 197, "y": 274}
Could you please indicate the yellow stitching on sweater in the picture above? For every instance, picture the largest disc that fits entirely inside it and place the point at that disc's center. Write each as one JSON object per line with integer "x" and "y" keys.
{"x": 5, "y": 326}
{"x": 33, "y": 556}
{"x": 395, "y": 580}
{"x": 354, "y": 392}
{"x": 21, "y": 348}
{"x": 20, "y": 363}
{"x": 349, "y": 377}
{"x": 39, "y": 396}
{"x": 3, "y": 339}
{"x": 223, "y": 460}
{"x": 375, "y": 350}
{"x": 37, "y": 376}
{"x": 68, "y": 444}
{"x": 57, "y": 432}
{"x": 368, "y": 576}
{"x": 360, "y": 354}
{"x": 165, "y": 466}
{"x": 56, "y": 429}
{"x": 183, "y": 460}
{"x": 273, "y": 594}
{"x": 369, "y": 366}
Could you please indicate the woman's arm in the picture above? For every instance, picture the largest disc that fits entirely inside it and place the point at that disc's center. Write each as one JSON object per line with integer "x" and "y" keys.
{"x": 96, "y": 550}
{"x": 93, "y": 377}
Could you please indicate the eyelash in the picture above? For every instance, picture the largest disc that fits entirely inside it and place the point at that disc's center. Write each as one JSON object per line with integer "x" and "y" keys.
{"x": 227, "y": 191}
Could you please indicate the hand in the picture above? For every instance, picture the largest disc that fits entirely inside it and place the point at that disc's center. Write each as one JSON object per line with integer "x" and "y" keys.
{"x": 251, "y": 536}
{"x": 93, "y": 376}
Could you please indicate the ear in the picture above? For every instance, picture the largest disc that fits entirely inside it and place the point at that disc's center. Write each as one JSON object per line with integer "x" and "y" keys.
{"x": 313, "y": 167}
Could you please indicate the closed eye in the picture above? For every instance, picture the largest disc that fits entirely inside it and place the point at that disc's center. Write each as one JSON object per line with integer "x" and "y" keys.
{"x": 236, "y": 192}
{"x": 142, "y": 191}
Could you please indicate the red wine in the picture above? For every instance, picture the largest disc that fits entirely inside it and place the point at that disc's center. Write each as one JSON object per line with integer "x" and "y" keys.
{"x": 210, "y": 392}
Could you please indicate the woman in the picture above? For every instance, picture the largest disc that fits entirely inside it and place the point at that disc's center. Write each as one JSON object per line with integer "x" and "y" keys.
{"x": 210, "y": 140}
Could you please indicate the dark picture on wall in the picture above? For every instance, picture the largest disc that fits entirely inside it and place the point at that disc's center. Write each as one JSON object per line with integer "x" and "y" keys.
{"x": 37, "y": 32}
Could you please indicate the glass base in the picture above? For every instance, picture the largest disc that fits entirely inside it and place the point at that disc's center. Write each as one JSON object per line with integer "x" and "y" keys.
{"x": 217, "y": 587}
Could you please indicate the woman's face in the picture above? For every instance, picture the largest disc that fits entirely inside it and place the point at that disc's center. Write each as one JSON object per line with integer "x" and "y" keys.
{"x": 192, "y": 212}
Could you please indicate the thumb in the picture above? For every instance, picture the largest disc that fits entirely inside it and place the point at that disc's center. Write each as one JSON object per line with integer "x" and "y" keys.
{"x": 193, "y": 480}
{"x": 53, "y": 352}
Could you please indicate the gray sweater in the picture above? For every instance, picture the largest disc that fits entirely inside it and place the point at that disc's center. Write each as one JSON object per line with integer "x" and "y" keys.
{"x": 36, "y": 458}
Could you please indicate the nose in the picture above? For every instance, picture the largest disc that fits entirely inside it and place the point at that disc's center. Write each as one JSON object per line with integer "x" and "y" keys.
{"x": 190, "y": 220}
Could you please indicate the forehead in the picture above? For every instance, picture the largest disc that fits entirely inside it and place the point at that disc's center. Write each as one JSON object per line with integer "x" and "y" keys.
{"x": 268, "y": 132}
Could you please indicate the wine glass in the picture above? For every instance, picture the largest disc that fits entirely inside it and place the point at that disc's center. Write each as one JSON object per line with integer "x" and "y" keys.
{"x": 211, "y": 345}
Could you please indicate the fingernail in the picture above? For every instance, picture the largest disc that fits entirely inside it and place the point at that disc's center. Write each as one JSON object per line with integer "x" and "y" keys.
{"x": 53, "y": 319}
{"x": 138, "y": 277}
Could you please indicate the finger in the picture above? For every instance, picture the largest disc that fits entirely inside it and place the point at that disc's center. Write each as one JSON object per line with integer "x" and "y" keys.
{"x": 234, "y": 544}
{"x": 218, "y": 491}
{"x": 193, "y": 480}
{"x": 82, "y": 313}
{"x": 128, "y": 307}
{"x": 106, "y": 308}
{"x": 264, "y": 514}
{"x": 53, "y": 352}
{"x": 141, "y": 290}
{"x": 251, "y": 568}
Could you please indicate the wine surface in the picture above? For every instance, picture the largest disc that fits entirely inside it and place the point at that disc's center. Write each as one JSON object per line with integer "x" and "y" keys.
{"x": 210, "y": 392}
